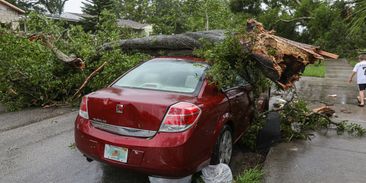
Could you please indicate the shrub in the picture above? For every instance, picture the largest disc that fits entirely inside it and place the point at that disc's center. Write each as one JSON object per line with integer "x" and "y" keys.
{"x": 31, "y": 75}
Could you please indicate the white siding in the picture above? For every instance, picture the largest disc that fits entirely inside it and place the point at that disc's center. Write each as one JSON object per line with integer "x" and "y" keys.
{"x": 8, "y": 15}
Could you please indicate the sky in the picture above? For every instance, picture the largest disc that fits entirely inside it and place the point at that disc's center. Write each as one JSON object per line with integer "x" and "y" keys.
{"x": 73, "y": 6}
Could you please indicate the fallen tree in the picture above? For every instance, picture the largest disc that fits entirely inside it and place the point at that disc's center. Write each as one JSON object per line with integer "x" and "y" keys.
{"x": 44, "y": 60}
{"x": 283, "y": 60}
{"x": 61, "y": 56}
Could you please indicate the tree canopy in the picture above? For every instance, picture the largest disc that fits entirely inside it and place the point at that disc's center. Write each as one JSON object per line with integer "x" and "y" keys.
{"x": 337, "y": 25}
{"x": 42, "y": 6}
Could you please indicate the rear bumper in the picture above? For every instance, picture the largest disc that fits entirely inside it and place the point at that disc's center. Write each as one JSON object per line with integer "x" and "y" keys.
{"x": 166, "y": 154}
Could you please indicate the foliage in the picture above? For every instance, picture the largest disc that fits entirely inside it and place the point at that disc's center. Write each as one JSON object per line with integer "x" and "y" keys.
{"x": 229, "y": 62}
{"x": 315, "y": 70}
{"x": 336, "y": 26}
{"x": 137, "y": 10}
{"x": 249, "y": 139}
{"x": 41, "y": 6}
{"x": 31, "y": 75}
{"x": 177, "y": 16}
{"x": 27, "y": 5}
{"x": 297, "y": 122}
{"x": 353, "y": 61}
{"x": 26, "y": 72}
{"x": 53, "y": 6}
{"x": 323, "y": 23}
{"x": 359, "y": 17}
{"x": 253, "y": 175}
{"x": 93, "y": 9}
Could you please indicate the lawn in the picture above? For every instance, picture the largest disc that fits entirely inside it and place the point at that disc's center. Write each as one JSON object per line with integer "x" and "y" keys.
{"x": 353, "y": 61}
{"x": 315, "y": 70}
{"x": 254, "y": 175}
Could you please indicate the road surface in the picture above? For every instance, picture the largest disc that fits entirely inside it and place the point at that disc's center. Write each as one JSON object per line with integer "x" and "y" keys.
{"x": 39, "y": 152}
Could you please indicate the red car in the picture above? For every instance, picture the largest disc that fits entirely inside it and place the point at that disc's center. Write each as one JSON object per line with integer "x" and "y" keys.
{"x": 164, "y": 118}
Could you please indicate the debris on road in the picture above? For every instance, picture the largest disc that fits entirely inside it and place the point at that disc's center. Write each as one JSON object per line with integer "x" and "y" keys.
{"x": 325, "y": 110}
{"x": 346, "y": 111}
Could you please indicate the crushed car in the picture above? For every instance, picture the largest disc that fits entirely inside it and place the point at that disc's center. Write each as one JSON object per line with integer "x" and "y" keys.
{"x": 165, "y": 118}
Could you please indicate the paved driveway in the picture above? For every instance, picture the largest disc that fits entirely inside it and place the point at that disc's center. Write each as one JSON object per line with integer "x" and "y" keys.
{"x": 327, "y": 157}
{"x": 37, "y": 152}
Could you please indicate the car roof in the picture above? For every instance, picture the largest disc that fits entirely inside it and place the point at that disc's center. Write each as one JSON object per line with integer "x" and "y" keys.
{"x": 190, "y": 58}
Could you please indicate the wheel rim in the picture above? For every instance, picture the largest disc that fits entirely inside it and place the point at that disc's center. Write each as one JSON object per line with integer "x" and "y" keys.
{"x": 225, "y": 147}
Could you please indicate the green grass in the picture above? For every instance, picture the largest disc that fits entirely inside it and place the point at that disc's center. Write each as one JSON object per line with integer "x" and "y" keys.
{"x": 253, "y": 175}
{"x": 315, "y": 70}
{"x": 353, "y": 61}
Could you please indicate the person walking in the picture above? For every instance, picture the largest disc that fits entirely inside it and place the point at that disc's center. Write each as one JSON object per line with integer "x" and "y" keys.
{"x": 360, "y": 70}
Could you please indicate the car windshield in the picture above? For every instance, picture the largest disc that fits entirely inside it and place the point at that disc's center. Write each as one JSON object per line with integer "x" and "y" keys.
{"x": 165, "y": 75}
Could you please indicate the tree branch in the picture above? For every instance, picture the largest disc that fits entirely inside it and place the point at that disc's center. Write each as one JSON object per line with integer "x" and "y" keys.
{"x": 88, "y": 79}
{"x": 294, "y": 19}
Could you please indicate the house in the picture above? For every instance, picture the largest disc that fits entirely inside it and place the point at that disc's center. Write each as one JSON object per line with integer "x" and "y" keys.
{"x": 144, "y": 29}
{"x": 75, "y": 18}
{"x": 10, "y": 14}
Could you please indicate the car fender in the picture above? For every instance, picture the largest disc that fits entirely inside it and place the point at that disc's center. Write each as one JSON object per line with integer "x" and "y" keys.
{"x": 224, "y": 119}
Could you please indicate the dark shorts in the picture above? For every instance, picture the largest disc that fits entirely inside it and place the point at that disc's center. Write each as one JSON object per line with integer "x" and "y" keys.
{"x": 362, "y": 86}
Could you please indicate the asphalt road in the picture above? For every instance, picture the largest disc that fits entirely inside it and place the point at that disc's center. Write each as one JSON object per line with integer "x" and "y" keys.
{"x": 36, "y": 146}
{"x": 39, "y": 152}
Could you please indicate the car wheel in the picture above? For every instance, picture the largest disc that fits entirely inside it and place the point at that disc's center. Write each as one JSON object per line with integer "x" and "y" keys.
{"x": 223, "y": 148}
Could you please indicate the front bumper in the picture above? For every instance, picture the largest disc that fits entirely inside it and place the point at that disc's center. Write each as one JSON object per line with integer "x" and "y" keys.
{"x": 165, "y": 154}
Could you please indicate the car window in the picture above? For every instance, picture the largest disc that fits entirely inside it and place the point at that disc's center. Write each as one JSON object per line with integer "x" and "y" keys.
{"x": 165, "y": 75}
{"x": 239, "y": 81}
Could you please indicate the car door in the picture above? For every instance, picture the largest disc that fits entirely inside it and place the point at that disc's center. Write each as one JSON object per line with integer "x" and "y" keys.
{"x": 241, "y": 106}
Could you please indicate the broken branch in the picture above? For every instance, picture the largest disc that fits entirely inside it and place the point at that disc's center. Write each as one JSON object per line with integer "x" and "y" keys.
{"x": 72, "y": 60}
{"x": 294, "y": 19}
{"x": 88, "y": 79}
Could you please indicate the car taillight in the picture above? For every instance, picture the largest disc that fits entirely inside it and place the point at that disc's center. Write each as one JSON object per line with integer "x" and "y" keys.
{"x": 180, "y": 117}
{"x": 83, "y": 112}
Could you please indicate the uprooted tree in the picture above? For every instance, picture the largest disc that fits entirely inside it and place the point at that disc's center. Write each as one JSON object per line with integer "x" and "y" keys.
{"x": 254, "y": 54}
{"x": 282, "y": 60}
{"x": 52, "y": 65}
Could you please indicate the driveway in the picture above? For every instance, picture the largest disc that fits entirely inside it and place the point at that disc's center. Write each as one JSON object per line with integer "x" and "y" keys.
{"x": 38, "y": 151}
{"x": 36, "y": 146}
{"x": 327, "y": 157}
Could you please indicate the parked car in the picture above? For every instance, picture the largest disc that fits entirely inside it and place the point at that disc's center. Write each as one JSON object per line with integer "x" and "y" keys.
{"x": 164, "y": 118}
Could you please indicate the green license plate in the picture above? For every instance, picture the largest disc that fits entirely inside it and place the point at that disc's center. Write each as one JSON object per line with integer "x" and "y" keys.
{"x": 115, "y": 153}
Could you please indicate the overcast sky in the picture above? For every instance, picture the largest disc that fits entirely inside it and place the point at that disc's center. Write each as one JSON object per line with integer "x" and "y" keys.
{"x": 73, "y": 6}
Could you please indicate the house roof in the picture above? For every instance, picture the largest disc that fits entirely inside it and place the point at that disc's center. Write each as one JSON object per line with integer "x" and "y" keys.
{"x": 77, "y": 17}
{"x": 68, "y": 16}
{"x": 12, "y": 6}
{"x": 130, "y": 24}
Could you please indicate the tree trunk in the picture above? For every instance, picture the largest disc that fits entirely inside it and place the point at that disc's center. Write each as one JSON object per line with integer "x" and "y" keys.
{"x": 283, "y": 60}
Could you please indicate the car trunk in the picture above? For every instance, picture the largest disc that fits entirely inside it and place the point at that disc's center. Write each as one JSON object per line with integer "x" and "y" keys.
{"x": 142, "y": 109}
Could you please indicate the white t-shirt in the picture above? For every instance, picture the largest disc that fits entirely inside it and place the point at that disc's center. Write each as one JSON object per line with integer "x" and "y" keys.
{"x": 360, "y": 68}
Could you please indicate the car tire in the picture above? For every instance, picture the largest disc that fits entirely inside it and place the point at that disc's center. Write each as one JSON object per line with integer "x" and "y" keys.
{"x": 223, "y": 149}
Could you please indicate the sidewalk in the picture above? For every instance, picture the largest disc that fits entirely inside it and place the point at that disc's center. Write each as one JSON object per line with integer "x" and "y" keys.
{"x": 327, "y": 157}
{"x": 11, "y": 120}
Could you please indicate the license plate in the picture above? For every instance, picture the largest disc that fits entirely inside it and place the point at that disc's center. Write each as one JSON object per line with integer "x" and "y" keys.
{"x": 115, "y": 153}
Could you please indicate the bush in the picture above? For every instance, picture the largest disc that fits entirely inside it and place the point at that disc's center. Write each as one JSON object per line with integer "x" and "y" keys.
{"x": 31, "y": 75}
